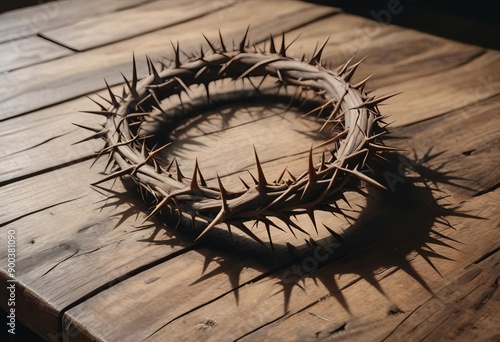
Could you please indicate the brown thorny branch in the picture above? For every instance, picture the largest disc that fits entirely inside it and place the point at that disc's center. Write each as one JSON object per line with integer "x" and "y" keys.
{"x": 318, "y": 188}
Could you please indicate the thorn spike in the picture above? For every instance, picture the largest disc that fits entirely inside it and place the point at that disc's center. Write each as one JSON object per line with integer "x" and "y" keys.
{"x": 272, "y": 47}
{"x": 316, "y": 59}
{"x": 97, "y": 103}
{"x": 223, "y": 195}
{"x": 202, "y": 179}
{"x": 209, "y": 43}
{"x": 283, "y": 46}
{"x": 262, "y": 183}
{"x": 244, "y": 184}
{"x": 253, "y": 178}
{"x": 310, "y": 213}
{"x": 243, "y": 41}
{"x": 194, "y": 180}
{"x": 153, "y": 71}
{"x": 134, "y": 73}
{"x": 111, "y": 95}
{"x": 223, "y": 47}
{"x": 178, "y": 172}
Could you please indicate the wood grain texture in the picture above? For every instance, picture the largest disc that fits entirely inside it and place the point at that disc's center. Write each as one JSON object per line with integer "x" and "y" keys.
{"x": 463, "y": 143}
{"x": 80, "y": 238}
{"x": 405, "y": 67}
{"x": 88, "y": 269}
{"x": 45, "y": 140}
{"x": 435, "y": 76}
{"x": 280, "y": 309}
{"x": 471, "y": 83}
{"x": 31, "y": 20}
{"x": 133, "y": 22}
{"x": 393, "y": 54}
{"x": 62, "y": 226}
{"x": 27, "y": 51}
{"x": 460, "y": 302}
{"x": 28, "y": 89}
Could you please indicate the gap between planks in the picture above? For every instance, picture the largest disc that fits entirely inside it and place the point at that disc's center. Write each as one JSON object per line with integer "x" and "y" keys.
{"x": 30, "y": 21}
{"x": 71, "y": 207}
{"x": 77, "y": 74}
{"x": 213, "y": 310}
{"x": 401, "y": 114}
{"x": 130, "y": 23}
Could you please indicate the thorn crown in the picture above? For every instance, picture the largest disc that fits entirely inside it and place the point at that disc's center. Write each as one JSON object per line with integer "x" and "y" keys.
{"x": 346, "y": 108}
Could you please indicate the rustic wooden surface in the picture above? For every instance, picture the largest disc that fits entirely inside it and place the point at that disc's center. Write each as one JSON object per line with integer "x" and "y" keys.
{"x": 417, "y": 263}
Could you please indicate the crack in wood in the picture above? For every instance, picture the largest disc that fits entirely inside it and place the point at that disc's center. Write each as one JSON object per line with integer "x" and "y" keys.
{"x": 46, "y": 170}
{"x": 488, "y": 295}
{"x": 116, "y": 281}
{"x": 38, "y": 211}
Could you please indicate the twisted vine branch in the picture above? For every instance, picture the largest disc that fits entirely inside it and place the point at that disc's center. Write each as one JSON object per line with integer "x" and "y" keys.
{"x": 346, "y": 105}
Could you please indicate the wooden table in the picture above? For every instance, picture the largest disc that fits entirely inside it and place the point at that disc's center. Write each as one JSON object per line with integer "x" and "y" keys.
{"x": 418, "y": 263}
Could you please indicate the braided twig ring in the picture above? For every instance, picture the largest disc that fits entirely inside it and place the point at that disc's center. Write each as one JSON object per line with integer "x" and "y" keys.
{"x": 317, "y": 188}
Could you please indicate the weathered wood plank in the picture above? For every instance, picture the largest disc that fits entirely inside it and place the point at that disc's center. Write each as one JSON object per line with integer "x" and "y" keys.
{"x": 65, "y": 237}
{"x": 459, "y": 146}
{"x": 394, "y": 54}
{"x": 45, "y": 141}
{"x": 146, "y": 318}
{"x": 133, "y": 22}
{"x": 81, "y": 73}
{"x": 61, "y": 224}
{"x": 67, "y": 228}
{"x": 462, "y": 302}
{"x": 459, "y": 302}
{"x": 31, "y": 20}
{"x": 27, "y": 51}
{"x": 435, "y": 76}
{"x": 64, "y": 181}
{"x": 447, "y": 55}
{"x": 463, "y": 86}
{"x": 263, "y": 302}
{"x": 474, "y": 318}
{"x": 240, "y": 319}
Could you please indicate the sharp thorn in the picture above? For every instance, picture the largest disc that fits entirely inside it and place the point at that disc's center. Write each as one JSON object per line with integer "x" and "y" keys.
{"x": 244, "y": 184}
{"x": 112, "y": 96}
{"x": 209, "y": 43}
{"x": 316, "y": 58}
{"x": 156, "y": 209}
{"x": 283, "y": 46}
{"x": 243, "y": 41}
{"x": 194, "y": 180}
{"x": 223, "y": 47}
{"x": 310, "y": 213}
{"x": 262, "y": 183}
{"x": 212, "y": 224}
{"x": 134, "y": 73}
{"x": 253, "y": 178}
{"x": 272, "y": 47}
{"x": 178, "y": 172}
{"x": 223, "y": 195}
{"x": 97, "y": 103}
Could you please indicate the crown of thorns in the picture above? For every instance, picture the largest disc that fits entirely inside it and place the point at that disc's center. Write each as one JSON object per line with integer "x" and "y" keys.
{"x": 345, "y": 106}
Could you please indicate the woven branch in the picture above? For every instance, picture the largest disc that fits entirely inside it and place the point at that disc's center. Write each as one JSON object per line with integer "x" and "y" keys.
{"x": 345, "y": 106}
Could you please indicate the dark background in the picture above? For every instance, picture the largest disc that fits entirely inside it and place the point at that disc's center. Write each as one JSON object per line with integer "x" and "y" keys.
{"x": 473, "y": 22}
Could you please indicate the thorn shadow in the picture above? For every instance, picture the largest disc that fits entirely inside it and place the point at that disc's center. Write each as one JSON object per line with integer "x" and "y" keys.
{"x": 392, "y": 229}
